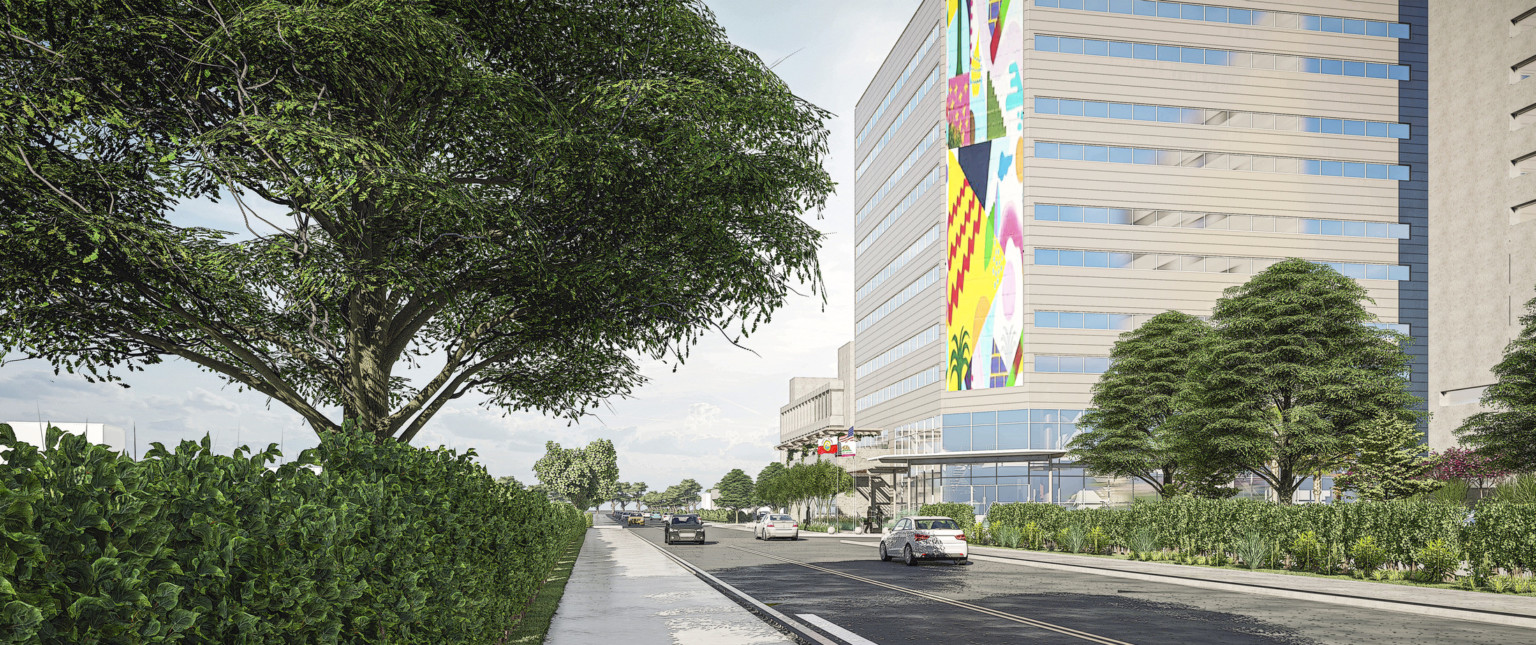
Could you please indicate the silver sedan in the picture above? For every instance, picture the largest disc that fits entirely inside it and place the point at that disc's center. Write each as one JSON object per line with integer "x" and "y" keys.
{"x": 772, "y": 526}
{"x": 924, "y": 538}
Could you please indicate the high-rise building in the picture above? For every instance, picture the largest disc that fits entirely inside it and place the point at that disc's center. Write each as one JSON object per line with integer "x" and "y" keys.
{"x": 1483, "y": 197}
{"x": 1036, "y": 176}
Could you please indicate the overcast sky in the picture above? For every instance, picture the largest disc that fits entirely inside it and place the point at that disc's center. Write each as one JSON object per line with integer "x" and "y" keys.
{"x": 717, "y": 412}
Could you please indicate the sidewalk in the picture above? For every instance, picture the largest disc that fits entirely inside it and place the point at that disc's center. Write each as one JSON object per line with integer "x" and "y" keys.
{"x": 1481, "y": 607}
{"x": 623, "y": 589}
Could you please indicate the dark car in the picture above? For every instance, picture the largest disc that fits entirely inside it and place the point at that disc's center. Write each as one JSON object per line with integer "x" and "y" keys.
{"x": 683, "y": 528}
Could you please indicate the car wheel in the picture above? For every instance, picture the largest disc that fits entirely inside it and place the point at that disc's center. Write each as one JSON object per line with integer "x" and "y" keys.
{"x": 884, "y": 557}
{"x": 963, "y": 561}
{"x": 907, "y": 557}
{"x": 797, "y": 536}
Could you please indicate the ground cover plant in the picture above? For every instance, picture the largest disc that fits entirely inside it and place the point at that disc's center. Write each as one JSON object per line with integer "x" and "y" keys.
{"x": 356, "y": 541}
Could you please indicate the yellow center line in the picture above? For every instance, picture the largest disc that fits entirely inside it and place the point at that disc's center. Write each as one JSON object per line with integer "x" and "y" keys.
{"x": 964, "y": 605}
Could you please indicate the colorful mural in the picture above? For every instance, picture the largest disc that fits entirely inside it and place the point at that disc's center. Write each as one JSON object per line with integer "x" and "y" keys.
{"x": 984, "y": 109}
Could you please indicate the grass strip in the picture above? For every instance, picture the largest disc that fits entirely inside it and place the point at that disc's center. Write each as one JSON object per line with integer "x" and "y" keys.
{"x": 534, "y": 624}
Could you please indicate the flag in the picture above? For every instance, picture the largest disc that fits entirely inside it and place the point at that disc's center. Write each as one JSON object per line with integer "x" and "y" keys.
{"x": 848, "y": 448}
{"x": 849, "y": 436}
{"x": 828, "y": 446}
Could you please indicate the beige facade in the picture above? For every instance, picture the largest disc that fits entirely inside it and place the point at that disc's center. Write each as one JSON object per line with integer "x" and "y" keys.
{"x": 1484, "y": 99}
{"x": 1228, "y": 194}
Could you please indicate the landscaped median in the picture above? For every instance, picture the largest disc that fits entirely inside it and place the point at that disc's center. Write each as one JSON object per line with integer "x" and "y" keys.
{"x": 355, "y": 541}
{"x": 1491, "y": 547}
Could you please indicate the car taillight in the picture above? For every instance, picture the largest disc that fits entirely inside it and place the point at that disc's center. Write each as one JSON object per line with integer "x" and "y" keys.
{"x": 960, "y": 537}
{"x": 770, "y": 526}
{"x": 920, "y": 537}
{"x": 795, "y": 526}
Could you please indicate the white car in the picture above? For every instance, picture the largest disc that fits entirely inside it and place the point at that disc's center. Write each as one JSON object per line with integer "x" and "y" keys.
{"x": 770, "y": 526}
{"x": 924, "y": 538}
{"x": 666, "y": 517}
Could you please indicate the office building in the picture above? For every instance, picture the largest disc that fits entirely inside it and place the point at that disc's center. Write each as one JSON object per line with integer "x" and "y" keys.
{"x": 1034, "y": 177}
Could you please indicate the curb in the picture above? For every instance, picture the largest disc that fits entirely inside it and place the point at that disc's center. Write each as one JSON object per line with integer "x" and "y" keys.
{"x": 1422, "y": 609}
{"x": 791, "y": 627}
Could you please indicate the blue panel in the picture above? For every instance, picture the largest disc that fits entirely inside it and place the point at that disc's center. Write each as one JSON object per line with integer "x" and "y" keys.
{"x": 1376, "y": 28}
{"x": 1192, "y": 55}
{"x": 1333, "y": 25}
{"x": 1096, "y": 5}
{"x": 1045, "y": 212}
{"x": 1330, "y": 66}
{"x": 1146, "y": 112}
{"x": 1377, "y": 129}
{"x": 1354, "y": 68}
{"x": 1071, "y": 45}
{"x": 1146, "y": 157}
{"x": 1240, "y": 16}
{"x": 1047, "y": 257}
{"x": 1070, "y": 4}
{"x": 1311, "y": 23}
{"x": 1096, "y": 259}
{"x": 1215, "y": 14}
{"x": 1167, "y": 9}
{"x": 1071, "y": 320}
{"x": 1310, "y": 227}
{"x": 958, "y": 419}
{"x": 1397, "y": 30}
{"x": 1400, "y": 273}
{"x": 1045, "y": 3}
{"x": 1374, "y": 229}
{"x": 1354, "y": 169}
{"x": 1070, "y": 213}
{"x": 1096, "y": 215}
{"x": 1121, "y": 6}
{"x": 1096, "y": 47}
{"x": 1071, "y": 151}
{"x": 957, "y": 438}
{"x": 1045, "y": 364}
{"x": 1045, "y": 105}
{"x": 1354, "y": 229}
{"x": 1071, "y": 258}
{"x": 1333, "y": 126}
{"x": 1168, "y": 54}
{"x": 1120, "y": 110}
{"x": 1045, "y": 150}
{"x": 1399, "y": 231}
{"x": 1352, "y": 26}
{"x": 1095, "y": 153}
{"x": 1047, "y": 319}
{"x": 1332, "y": 226}
{"x": 1043, "y": 416}
{"x": 1308, "y": 124}
{"x": 1397, "y": 130}
{"x": 1146, "y": 8}
{"x": 1333, "y": 168}
{"x": 1308, "y": 65}
{"x": 1397, "y": 173}
{"x": 1192, "y": 12}
{"x": 1376, "y": 70}
{"x": 1120, "y": 50}
{"x": 1355, "y": 128}
{"x": 1397, "y": 72}
{"x": 1217, "y": 57}
{"x": 1066, "y": 107}
{"x": 1168, "y": 114}
{"x": 983, "y": 418}
{"x": 1376, "y": 272}
{"x": 1375, "y": 171}
{"x": 1120, "y": 155}
{"x": 1095, "y": 321}
{"x": 1047, "y": 43}
{"x": 1096, "y": 109}
{"x": 1013, "y": 416}
{"x": 1311, "y": 167}
{"x": 1146, "y": 52}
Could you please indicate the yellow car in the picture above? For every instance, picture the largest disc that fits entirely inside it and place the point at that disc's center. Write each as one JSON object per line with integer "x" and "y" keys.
{"x": 637, "y": 519}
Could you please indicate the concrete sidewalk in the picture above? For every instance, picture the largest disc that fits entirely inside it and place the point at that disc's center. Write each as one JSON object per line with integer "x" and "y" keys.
{"x": 624, "y": 590}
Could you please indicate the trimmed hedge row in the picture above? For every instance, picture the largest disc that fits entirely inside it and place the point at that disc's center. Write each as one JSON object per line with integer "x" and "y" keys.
{"x": 355, "y": 541}
{"x": 723, "y": 515}
{"x": 1501, "y": 531}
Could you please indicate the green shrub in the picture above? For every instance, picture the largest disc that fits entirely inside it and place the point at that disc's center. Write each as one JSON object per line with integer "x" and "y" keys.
{"x": 1365, "y": 556}
{"x": 1306, "y": 551}
{"x": 1097, "y": 540}
{"x": 355, "y": 540}
{"x": 964, "y": 514}
{"x": 1143, "y": 540}
{"x": 1436, "y": 560}
{"x": 1075, "y": 538}
{"x": 1521, "y": 490}
{"x": 1034, "y": 536}
{"x": 1009, "y": 536}
{"x": 1254, "y": 550}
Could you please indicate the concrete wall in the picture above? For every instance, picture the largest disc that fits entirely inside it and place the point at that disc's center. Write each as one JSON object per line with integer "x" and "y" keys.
{"x": 1480, "y": 250}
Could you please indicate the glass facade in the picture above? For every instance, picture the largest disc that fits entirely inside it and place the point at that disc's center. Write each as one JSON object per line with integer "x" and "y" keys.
{"x": 1220, "y": 57}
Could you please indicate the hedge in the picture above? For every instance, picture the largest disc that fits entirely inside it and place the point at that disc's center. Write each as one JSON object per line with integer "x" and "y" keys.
{"x": 356, "y": 541}
{"x": 1497, "y": 529}
{"x": 724, "y": 516}
{"x": 964, "y": 514}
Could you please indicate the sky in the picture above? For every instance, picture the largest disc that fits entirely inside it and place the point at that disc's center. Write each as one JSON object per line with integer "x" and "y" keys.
{"x": 716, "y": 412}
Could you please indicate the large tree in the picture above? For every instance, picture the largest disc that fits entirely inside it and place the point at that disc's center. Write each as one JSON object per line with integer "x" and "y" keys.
{"x": 1131, "y": 428}
{"x": 583, "y": 476}
{"x": 504, "y": 198}
{"x": 1506, "y": 431}
{"x": 1291, "y": 371}
{"x": 764, "y": 491}
{"x": 735, "y": 490}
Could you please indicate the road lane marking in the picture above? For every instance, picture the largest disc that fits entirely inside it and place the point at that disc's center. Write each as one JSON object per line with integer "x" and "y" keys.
{"x": 832, "y": 628}
{"x": 1068, "y": 631}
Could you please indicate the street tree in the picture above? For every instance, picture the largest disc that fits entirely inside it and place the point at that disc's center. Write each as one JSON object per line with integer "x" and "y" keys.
{"x": 765, "y": 491}
{"x": 1506, "y": 431}
{"x": 1389, "y": 462}
{"x": 584, "y": 476}
{"x": 1291, "y": 371}
{"x": 735, "y": 490}
{"x": 1131, "y": 429}
{"x": 507, "y": 199}
{"x": 687, "y": 495}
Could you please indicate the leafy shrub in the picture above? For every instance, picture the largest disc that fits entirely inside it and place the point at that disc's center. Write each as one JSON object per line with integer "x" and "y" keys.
{"x": 1034, "y": 536}
{"x": 1097, "y": 540}
{"x": 1143, "y": 540}
{"x": 1365, "y": 556}
{"x": 1009, "y": 536}
{"x": 1306, "y": 551}
{"x": 1454, "y": 491}
{"x": 964, "y": 514}
{"x": 1522, "y": 490}
{"x": 1436, "y": 560}
{"x": 354, "y": 540}
{"x": 1075, "y": 538}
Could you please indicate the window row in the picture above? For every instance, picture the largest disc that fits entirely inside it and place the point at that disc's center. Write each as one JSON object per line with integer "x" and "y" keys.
{"x": 922, "y": 282}
{"x": 1233, "y": 16}
{"x": 1214, "y": 117}
{"x": 1071, "y": 364}
{"x": 1217, "y": 221}
{"x": 1201, "y": 263}
{"x": 1219, "y": 161}
{"x": 1008, "y": 430}
{"x": 930, "y": 181}
{"x": 1079, "y": 320}
{"x": 1221, "y": 57}
{"x": 929, "y": 335}
{"x": 890, "y": 183}
{"x": 928, "y": 239}
{"x": 933, "y": 37}
{"x": 904, "y": 386}
{"x": 933, "y": 81}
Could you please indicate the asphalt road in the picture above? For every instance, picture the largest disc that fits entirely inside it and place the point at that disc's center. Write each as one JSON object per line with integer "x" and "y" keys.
{"x": 990, "y": 602}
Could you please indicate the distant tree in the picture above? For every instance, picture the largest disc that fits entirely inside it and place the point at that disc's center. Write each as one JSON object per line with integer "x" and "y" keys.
{"x": 1506, "y": 431}
{"x": 510, "y": 481}
{"x": 584, "y": 476}
{"x": 1131, "y": 428}
{"x": 1389, "y": 462}
{"x": 1292, "y": 370}
{"x": 735, "y": 490}
{"x": 687, "y": 495}
{"x": 766, "y": 491}
{"x": 522, "y": 199}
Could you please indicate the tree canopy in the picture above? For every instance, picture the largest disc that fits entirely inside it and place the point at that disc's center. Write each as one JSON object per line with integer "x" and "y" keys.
{"x": 1291, "y": 371}
{"x": 582, "y": 476}
{"x": 1389, "y": 462}
{"x": 1506, "y": 432}
{"x": 515, "y": 200}
{"x": 735, "y": 490}
{"x": 763, "y": 492}
{"x": 1130, "y": 430}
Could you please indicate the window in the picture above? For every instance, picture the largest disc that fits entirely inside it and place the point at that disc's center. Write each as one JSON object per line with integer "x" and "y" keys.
{"x": 931, "y": 237}
{"x": 928, "y": 182}
{"x": 1071, "y": 364}
{"x": 890, "y": 182}
{"x": 1522, "y": 70}
{"x": 933, "y": 81}
{"x": 1219, "y": 161}
{"x": 1195, "y": 55}
{"x": 933, "y": 37}
{"x": 1522, "y": 165}
{"x": 1206, "y": 13}
{"x": 922, "y": 282}
{"x": 1199, "y": 264}
{"x": 1215, "y": 117}
{"x": 1095, "y": 321}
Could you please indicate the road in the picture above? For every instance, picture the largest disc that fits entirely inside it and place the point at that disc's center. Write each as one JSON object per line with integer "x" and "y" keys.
{"x": 992, "y": 602}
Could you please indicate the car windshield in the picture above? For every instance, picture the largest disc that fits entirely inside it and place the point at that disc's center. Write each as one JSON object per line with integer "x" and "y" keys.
{"x": 684, "y": 519}
{"x": 938, "y": 525}
{"x": 781, "y": 518}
